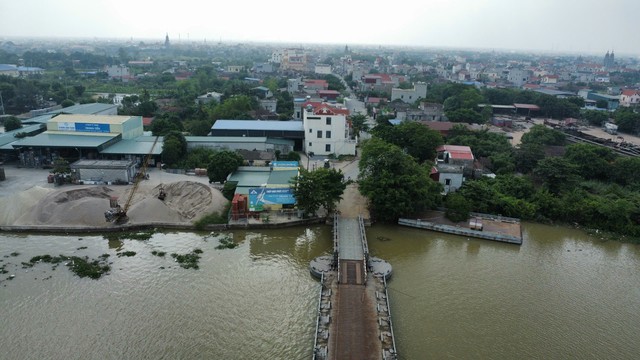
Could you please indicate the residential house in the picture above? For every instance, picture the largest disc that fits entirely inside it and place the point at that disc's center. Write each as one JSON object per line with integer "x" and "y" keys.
{"x": 205, "y": 98}
{"x": 119, "y": 72}
{"x": 518, "y": 76}
{"x": 630, "y": 97}
{"x": 410, "y": 96}
{"x": 323, "y": 69}
{"x": 550, "y": 79}
{"x": 235, "y": 68}
{"x": 295, "y": 59}
{"x": 326, "y": 130}
{"x": 452, "y": 163}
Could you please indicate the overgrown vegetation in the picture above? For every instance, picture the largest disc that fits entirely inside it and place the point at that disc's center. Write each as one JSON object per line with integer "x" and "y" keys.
{"x": 158, "y": 253}
{"x": 189, "y": 260}
{"x": 126, "y": 253}
{"x": 119, "y": 236}
{"x": 81, "y": 266}
{"x": 226, "y": 242}
{"x": 213, "y": 218}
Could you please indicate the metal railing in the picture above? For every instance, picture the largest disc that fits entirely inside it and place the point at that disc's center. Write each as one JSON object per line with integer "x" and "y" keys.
{"x": 315, "y": 339}
{"x": 393, "y": 338}
{"x": 336, "y": 244}
{"x": 365, "y": 247}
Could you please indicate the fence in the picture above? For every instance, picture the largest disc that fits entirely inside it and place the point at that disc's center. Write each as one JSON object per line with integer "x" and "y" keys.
{"x": 365, "y": 247}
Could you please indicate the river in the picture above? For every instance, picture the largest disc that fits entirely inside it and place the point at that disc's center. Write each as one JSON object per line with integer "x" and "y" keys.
{"x": 562, "y": 294}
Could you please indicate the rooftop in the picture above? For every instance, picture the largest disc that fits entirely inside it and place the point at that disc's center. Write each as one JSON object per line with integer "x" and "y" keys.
{"x": 274, "y": 125}
{"x": 93, "y": 119}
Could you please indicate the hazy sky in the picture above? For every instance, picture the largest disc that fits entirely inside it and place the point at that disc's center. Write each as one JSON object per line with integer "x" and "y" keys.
{"x": 592, "y": 26}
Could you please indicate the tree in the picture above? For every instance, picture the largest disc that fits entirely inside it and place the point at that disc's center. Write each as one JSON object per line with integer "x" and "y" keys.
{"x": 595, "y": 117}
{"x": 174, "y": 148}
{"x": 66, "y": 103}
{"x": 61, "y": 166}
{"x": 466, "y": 116}
{"x": 557, "y": 174}
{"x": 416, "y": 139}
{"x": 223, "y": 163}
{"x": 542, "y": 135}
{"x": 359, "y": 123}
{"x": 458, "y": 207}
{"x": 394, "y": 183}
{"x": 12, "y": 123}
{"x": 592, "y": 161}
{"x": 320, "y": 188}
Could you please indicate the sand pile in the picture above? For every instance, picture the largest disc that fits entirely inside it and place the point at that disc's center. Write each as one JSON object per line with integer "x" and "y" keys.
{"x": 14, "y": 206}
{"x": 186, "y": 201}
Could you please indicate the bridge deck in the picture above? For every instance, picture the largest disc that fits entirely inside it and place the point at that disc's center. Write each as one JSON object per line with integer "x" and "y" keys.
{"x": 350, "y": 244}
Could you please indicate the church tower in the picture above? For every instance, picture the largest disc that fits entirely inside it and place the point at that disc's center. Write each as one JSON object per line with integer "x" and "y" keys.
{"x": 167, "y": 44}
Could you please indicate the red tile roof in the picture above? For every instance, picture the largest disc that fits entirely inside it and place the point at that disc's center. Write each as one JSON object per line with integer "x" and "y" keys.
{"x": 457, "y": 151}
{"x": 630, "y": 92}
{"x": 320, "y": 108}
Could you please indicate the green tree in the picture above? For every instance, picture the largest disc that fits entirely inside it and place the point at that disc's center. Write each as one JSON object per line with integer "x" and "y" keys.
{"x": 458, "y": 208}
{"x": 542, "y": 135}
{"x": 359, "y": 123}
{"x": 595, "y": 117}
{"x": 61, "y": 166}
{"x": 223, "y": 163}
{"x": 465, "y": 116}
{"x": 416, "y": 139}
{"x": 625, "y": 170}
{"x": 592, "y": 161}
{"x": 12, "y": 123}
{"x": 556, "y": 174}
{"x": 174, "y": 148}
{"x": 394, "y": 183}
{"x": 320, "y": 188}
{"x": 66, "y": 103}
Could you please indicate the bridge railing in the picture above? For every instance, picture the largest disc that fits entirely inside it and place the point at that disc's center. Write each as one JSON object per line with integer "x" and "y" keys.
{"x": 336, "y": 244}
{"x": 365, "y": 247}
{"x": 316, "y": 350}
{"x": 393, "y": 337}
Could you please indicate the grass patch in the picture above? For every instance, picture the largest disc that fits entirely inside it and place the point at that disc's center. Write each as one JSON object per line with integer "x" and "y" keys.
{"x": 140, "y": 235}
{"x": 81, "y": 248}
{"x": 227, "y": 243}
{"x": 126, "y": 253}
{"x": 188, "y": 261}
{"x": 213, "y": 218}
{"x": 14, "y": 254}
{"x": 158, "y": 253}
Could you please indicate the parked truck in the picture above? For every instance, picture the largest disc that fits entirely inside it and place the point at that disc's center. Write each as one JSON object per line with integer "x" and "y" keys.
{"x": 610, "y": 128}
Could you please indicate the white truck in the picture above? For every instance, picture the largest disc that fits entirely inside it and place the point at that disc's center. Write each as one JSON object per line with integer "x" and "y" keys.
{"x": 610, "y": 128}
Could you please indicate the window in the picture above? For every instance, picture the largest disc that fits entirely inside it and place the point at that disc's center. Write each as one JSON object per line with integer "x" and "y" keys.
{"x": 328, "y": 121}
{"x": 310, "y": 144}
{"x": 328, "y": 135}
{"x": 297, "y": 114}
{"x": 310, "y": 131}
{"x": 319, "y": 134}
{"x": 327, "y": 148}
{"x": 447, "y": 182}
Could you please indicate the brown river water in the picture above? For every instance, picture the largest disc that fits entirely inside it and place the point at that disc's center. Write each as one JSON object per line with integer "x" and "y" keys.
{"x": 562, "y": 294}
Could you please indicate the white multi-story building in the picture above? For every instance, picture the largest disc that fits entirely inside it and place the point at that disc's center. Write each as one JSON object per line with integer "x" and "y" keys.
{"x": 326, "y": 130}
{"x": 410, "y": 96}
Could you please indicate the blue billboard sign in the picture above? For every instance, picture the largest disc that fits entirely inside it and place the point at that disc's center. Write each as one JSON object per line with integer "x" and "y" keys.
{"x": 96, "y": 128}
{"x": 285, "y": 164}
{"x": 258, "y": 197}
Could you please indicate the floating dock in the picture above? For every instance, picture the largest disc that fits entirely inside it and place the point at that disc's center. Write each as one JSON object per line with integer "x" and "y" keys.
{"x": 482, "y": 226}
